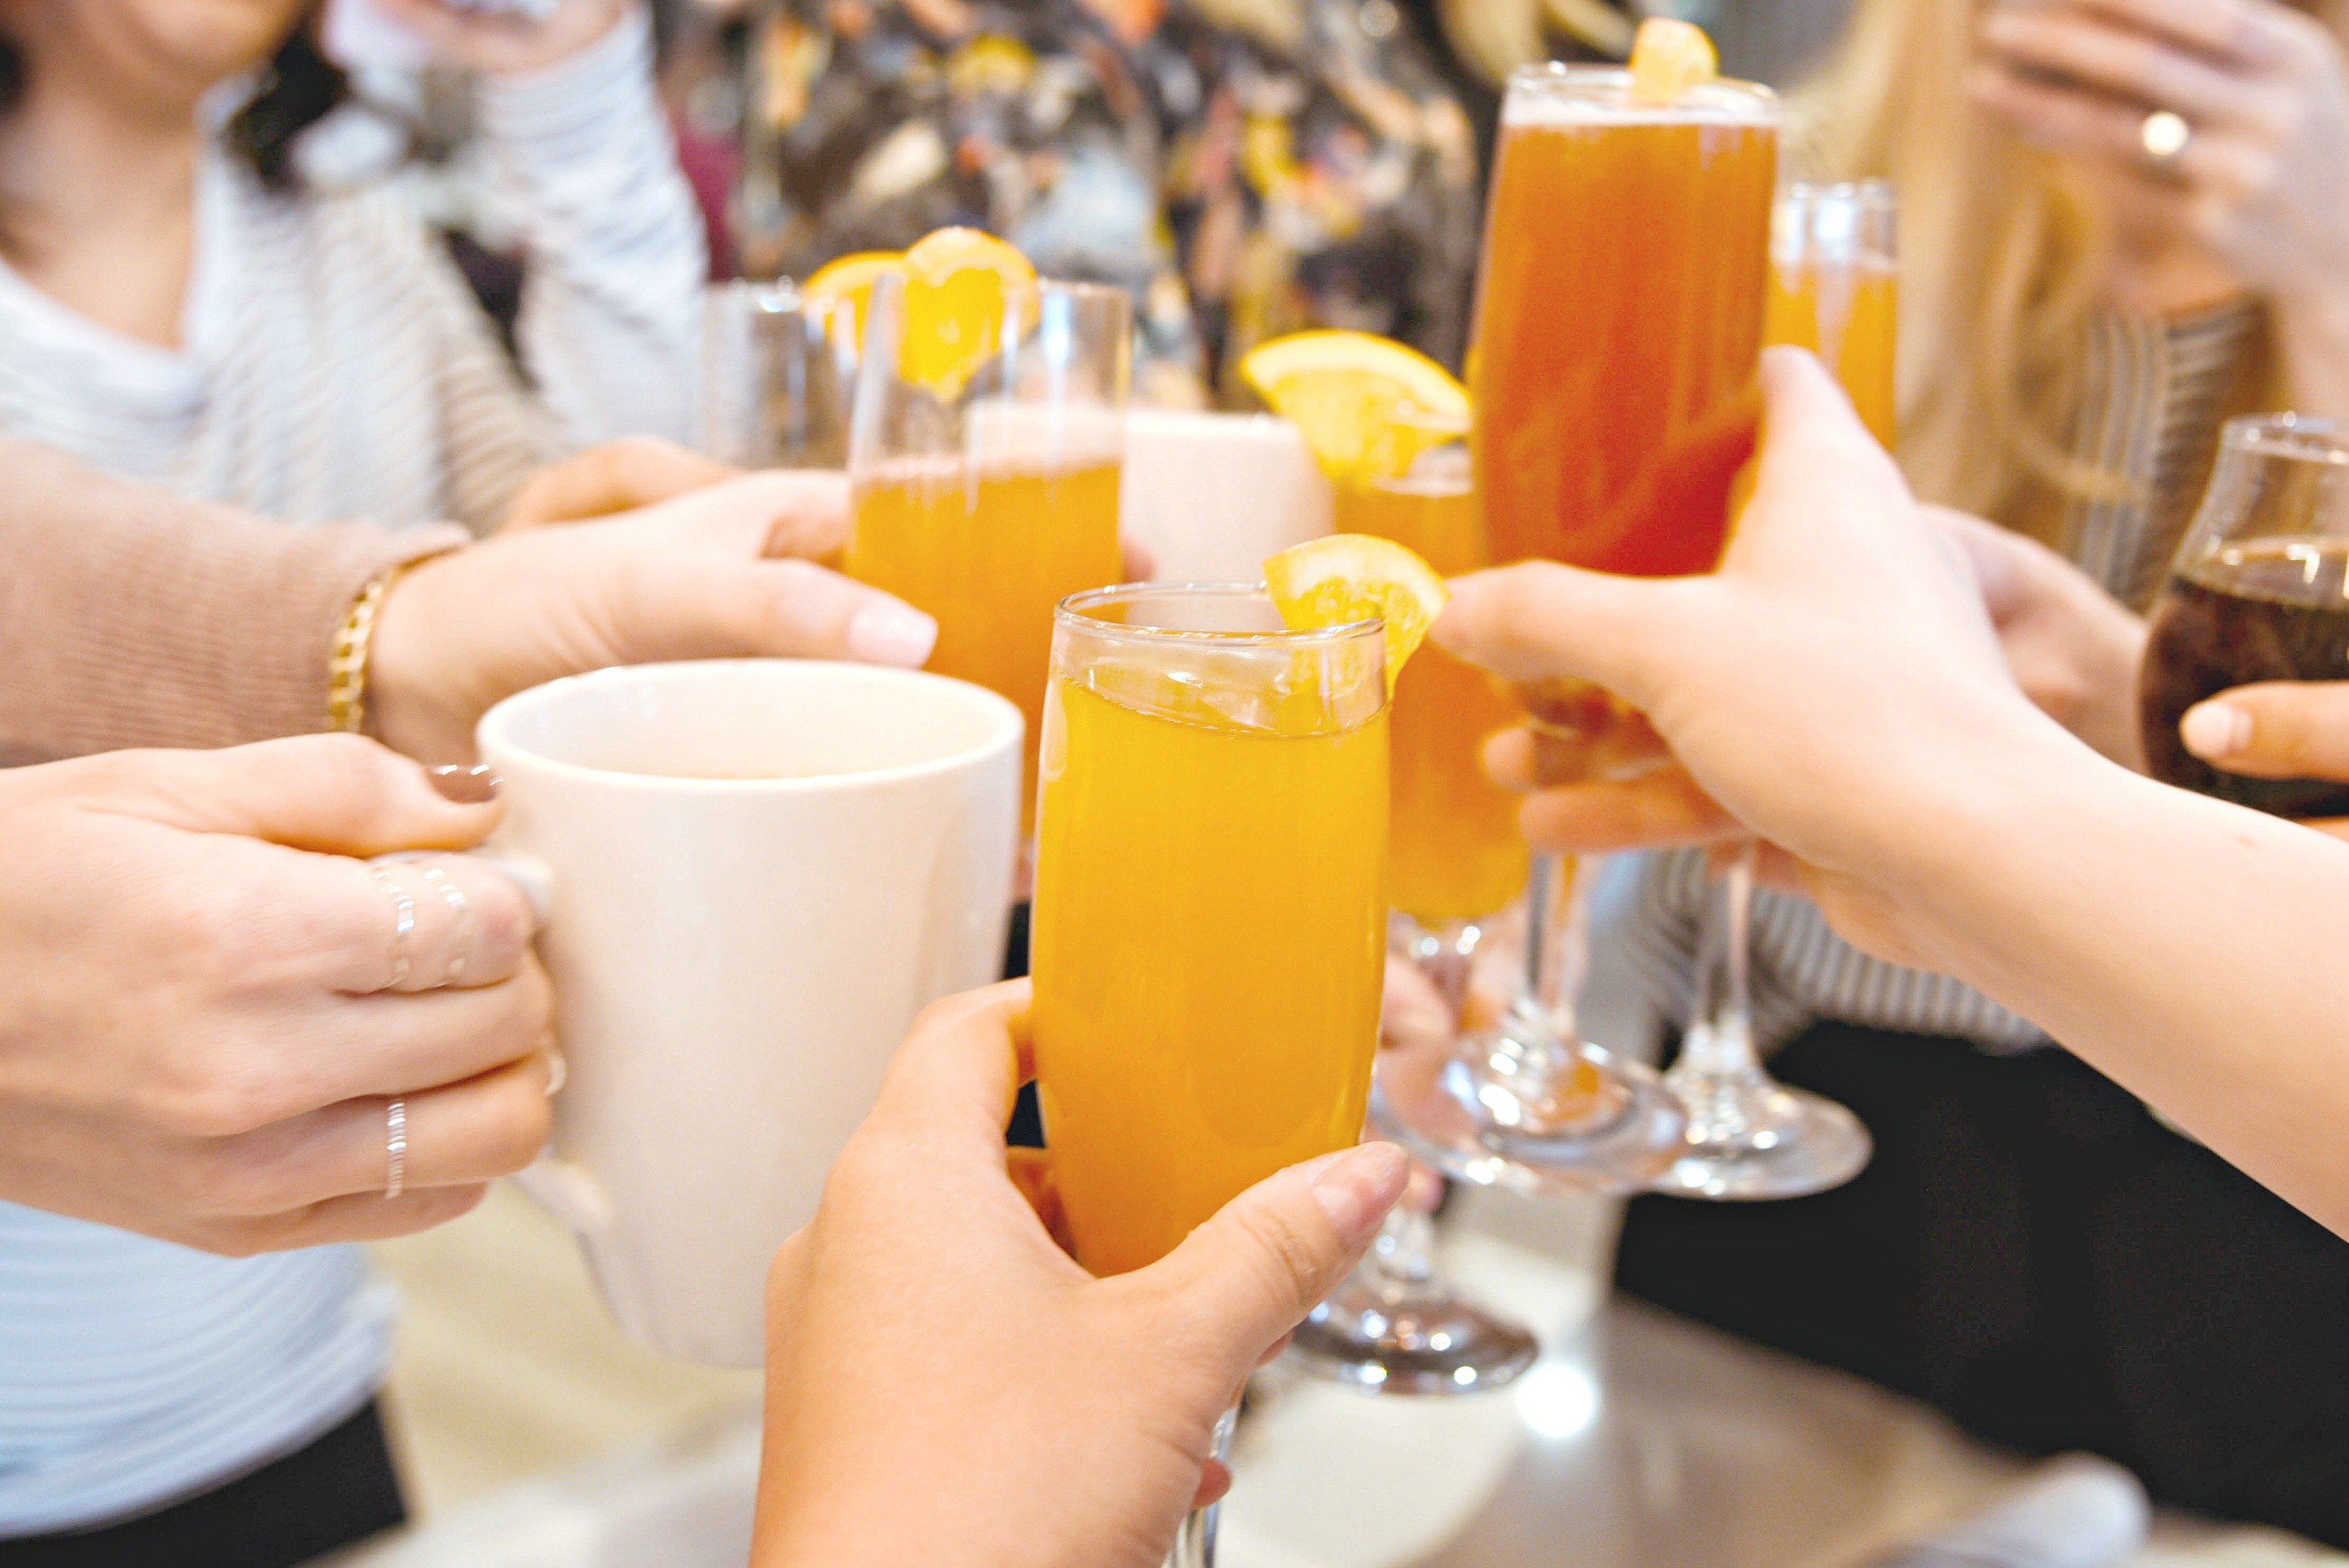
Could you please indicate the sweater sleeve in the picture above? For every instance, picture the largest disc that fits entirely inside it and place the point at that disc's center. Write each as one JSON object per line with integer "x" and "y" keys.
{"x": 611, "y": 313}
{"x": 129, "y": 617}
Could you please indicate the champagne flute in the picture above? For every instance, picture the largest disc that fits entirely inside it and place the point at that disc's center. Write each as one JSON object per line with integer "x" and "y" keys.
{"x": 1210, "y": 909}
{"x": 1455, "y": 859}
{"x": 1834, "y": 280}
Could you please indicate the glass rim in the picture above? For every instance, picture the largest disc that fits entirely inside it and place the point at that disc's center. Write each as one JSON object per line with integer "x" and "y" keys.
{"x": 2299, "y": 437}
{"x": 1577, "y": 82}
{"x": 1075, "y": 611}
{"x": 1078, "y": 288}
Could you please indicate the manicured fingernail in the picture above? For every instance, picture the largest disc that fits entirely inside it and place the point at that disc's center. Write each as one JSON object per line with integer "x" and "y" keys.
{"x": 2212, "y": 731}
{"x": 475, "y": 786}
{"x": 558, "y": 1070}
{"x": 887, "y": 633}
{"x": 1358, "y": 1187}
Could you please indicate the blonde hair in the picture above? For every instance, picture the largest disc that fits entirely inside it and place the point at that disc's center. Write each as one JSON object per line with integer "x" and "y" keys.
{"x": 1495, "y": 36}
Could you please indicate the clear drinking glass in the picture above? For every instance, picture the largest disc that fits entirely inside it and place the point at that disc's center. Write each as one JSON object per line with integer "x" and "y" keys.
{"x": 987, "y": 503}
{"x": 776, "y": 374}
{"x": 1210, "y": 921}
{"x": 1454, "y": 861}
{"x": 2259, "y": 592}
{"x": 1834, "y": 283}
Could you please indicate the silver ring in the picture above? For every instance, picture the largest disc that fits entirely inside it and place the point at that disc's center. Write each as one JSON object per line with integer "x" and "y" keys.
{"x": 462, "y": 908}
{"x": 403, "y": 925}
{"x": 395, "y": 1179}
{"x": 2164, "y": 136}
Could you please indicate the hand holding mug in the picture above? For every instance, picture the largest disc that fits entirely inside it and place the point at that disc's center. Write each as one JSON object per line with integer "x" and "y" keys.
{"x": 209, "y": 1000}
{"x": 925, "y": 1324}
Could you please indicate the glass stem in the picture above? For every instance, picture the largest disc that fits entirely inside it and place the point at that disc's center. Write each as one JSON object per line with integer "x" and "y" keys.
{"x": 1558, "y": 943}
{"x": 1194, "y": 1541}
{"x": 1401, "y": 1262}
{"x": 1719, "y": 1071}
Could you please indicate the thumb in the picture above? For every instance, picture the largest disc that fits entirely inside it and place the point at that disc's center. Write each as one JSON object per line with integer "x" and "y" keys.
{"x": 334, "y": 794}
{"x": 1541, "y": 621}
{"x": 2276, "y": 729}
{"x": 1252, "y": 1273}
{"x": 708, "y": 607}
{"x": 617, "y": 476}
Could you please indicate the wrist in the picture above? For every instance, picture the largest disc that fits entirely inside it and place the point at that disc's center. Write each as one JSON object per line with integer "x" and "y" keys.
{"x": 416, "y": 704}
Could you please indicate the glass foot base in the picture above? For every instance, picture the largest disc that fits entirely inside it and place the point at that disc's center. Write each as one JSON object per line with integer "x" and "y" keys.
{"x": 1419, "y": 1342}
{"x": 1496, "y": 1111}
{"x": 1785, "y": 1143}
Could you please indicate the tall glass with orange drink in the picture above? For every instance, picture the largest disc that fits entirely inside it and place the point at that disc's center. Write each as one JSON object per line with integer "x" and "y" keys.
{"x": 1835, "y": 283}
{"x": 1210, "y": 904}
{"x": 986, "y": 485}
{"x": 1619, "y": 318}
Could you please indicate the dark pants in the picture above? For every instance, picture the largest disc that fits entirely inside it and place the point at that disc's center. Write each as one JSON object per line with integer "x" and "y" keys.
{"x": 339, "y": 1490}
{"x": 2035, "y": 1254}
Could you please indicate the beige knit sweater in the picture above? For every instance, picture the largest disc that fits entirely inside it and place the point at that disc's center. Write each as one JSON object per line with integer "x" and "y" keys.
{"x": 129, "y": 617}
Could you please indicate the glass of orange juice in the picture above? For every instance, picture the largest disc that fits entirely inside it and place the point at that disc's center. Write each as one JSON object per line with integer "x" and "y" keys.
{"x": 987, "y": 500}
{"x": 1834, "y": 281}
{"x": 1210, "y": 921}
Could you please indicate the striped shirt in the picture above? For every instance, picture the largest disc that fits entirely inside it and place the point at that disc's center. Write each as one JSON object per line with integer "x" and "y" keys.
{"x": 2164, "y": 388}
{"x": 333, "y": 366}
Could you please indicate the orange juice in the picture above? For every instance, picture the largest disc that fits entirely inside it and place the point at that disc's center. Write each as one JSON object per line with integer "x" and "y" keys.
{"x": 989, "y": 559}
{"x": 1209, "y": 942}
{"x": 1844, "y": 312}
{"x": 1618, "y": 320}
{"x": 1453, "y": 850}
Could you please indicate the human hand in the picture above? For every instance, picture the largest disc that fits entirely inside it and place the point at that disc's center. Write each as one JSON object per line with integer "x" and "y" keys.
{"x": 693, "y": 577}
{"x": 2071, "y": 647}
{"x": 2263, "y": 179}
{"x": 505, "y": 43}
{"x": 614, "y": 477}
{"x": 1836, "y": 687}
{"x": 198, "y": 1025}
{"x": 924, "y": 1325}
{"x": 2275, "y": 729}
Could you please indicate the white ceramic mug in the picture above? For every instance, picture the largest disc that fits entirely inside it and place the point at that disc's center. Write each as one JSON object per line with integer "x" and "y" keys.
{"x": 1213, "y": 494}
{"x": 754, "y": 874}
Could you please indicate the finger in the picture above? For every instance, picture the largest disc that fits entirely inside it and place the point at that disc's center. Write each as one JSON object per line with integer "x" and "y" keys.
{"x": 618, "y": 476}
{"x": 779, "y": 514}
{"x": 696, "y": 607}
{"x": 465, "y": 1133}
{"x": 1253, "y": 1270}
{"x": 361, "y": 1217}
{"x": 1541, "y": 621}
{"x": 2277, "y": 729}
{"x": 2127, "y": 63}
{"x": 2082, "y": 124}
{"x": 1656, "y": 811}
{"x": 1534, "y": 757}
{"x": 1140, "y": 560}
{"x": 467, "y": 924}
{"x": 1215, "y": 1481}
{"x": 337, "y": 794}
{"x": 396, "y": 1043}
{"x": 2252, "y": 33}
{"x": 959, "y": 1068}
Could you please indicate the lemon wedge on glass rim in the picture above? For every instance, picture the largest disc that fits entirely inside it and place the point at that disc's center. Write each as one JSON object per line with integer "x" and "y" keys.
{"x": 847, "y": 282}
{"x": 962, "y": 288}
{"x": 1667, "y": 57}
{"x": 1366, "y": 406}
{"x": 1350, "y": 577}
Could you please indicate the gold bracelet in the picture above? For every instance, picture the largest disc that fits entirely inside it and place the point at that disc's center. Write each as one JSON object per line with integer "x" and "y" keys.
{"x": 347, "y": 667}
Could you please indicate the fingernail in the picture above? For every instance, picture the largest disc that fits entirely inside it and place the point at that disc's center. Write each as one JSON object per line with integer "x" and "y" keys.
{"x": 558, "y": 1070}
{"x": 2215, "y": 729}
{"x": 1358, "y": 1187}
{"x": 475, "y": 786}
{"x": 887, "y": 633}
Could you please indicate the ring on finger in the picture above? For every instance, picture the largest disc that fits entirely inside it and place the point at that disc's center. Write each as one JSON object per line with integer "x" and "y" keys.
{"x": 2163, "y": 136}
{"x": 395, "y": 1126}
{"x": 462, "y": 908}
{"x": 403, "y": 925}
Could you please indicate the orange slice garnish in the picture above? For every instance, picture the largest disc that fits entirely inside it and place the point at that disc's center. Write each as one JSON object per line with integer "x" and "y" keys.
{"x": 1366, "y": 406}
{"x": 962, "y": 289}
{"x": 845, "y": 284}
{"x": 1667, "y": 57}
{"x": 1350, "y": 577}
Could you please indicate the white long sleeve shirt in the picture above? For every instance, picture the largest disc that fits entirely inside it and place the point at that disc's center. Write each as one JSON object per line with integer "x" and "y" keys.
{"x": 333, "y": 366}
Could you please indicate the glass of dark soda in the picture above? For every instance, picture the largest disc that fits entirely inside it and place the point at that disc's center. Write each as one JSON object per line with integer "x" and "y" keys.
{"x": 2259, "y": 592}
